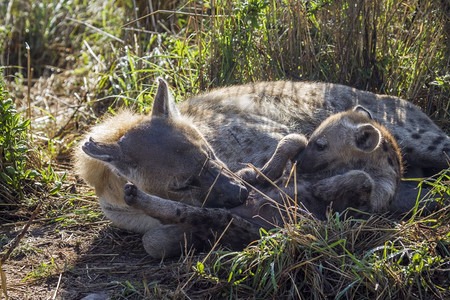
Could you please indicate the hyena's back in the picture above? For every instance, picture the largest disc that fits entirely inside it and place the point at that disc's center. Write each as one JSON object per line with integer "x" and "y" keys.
{"x": 252, "y": 117}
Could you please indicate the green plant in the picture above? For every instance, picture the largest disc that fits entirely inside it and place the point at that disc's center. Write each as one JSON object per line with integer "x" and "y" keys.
{"x": 13, "y": 147}
{"x": 19, "y": 163}
{"x": 393, "y": 47}
{"x": 43, "y": 270}
{"x": 384, "y": 46}
{"x": 130, "y": 80}
{"x": 343, "y": 258}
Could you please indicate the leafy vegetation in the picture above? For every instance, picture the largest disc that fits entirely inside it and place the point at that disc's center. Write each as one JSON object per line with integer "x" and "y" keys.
{"x": 19, "y": 164}
{"x": 90, "y": 57}
{"x": 13, "y": 147}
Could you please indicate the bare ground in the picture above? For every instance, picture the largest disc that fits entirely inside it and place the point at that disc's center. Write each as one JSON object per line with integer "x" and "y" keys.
{"x": 95, "y": 259}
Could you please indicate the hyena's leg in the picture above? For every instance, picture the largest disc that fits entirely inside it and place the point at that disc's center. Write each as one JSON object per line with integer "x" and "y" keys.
{"x": 407, "y": 196}
{"x": 171, "y": 240}
{"x": 287, "y": 149}
{"x": 202, "y": 225}
{"x": 351, "y": 189}
{"x": 164, "y": 241}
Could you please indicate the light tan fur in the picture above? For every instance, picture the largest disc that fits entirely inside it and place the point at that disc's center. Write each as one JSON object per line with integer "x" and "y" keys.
{"x": 109, "y": 185}
{"x": 96, "y": 173}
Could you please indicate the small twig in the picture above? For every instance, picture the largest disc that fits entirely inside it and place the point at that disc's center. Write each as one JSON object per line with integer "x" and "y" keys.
{"x": 57, "y": 287}
{"x": 140, "y": 30}
{"x": 268, "y": 180}
{"x": 93, "y": 54}
{"x": 61, "y": 130}
{"x": 211, "y": 187}
{"x": 29, "y": 80}
{"x": 153, "y": 16}
{"x": 3, "y": 282}
{"x": 163, "y": 11}
{"x": 17, "y": 239}
{"x": 294, "y": 167}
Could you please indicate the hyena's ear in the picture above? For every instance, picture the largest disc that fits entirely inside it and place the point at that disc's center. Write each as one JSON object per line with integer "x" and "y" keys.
{"x": 107, "y": 152}
{"x": 367, "y": 137}
{"x": 164, "y": 104}
{"x": 362, "y": 110}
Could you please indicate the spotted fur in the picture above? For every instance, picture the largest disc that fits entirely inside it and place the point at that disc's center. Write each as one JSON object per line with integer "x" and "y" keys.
{"x": 360, "y": 177}
{"x": 243, "y": 124}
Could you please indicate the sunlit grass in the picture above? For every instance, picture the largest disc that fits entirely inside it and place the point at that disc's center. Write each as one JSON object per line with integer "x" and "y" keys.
{"x": 379, "y": 257}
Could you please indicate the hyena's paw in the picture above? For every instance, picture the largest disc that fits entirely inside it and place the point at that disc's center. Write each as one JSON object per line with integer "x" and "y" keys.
{"x": 287, "y": 150}
{"x": 130, "y": 194}
{"x": 359, "y": 182}
{"x": 248, "y": 175}
{"x": 354, "y": 183}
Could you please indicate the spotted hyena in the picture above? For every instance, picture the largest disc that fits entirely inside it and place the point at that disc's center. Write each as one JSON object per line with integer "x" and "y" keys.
{"x": 365, "y": 174}
{"x": 243, "y": 124}
{"x": 141, "y": 156}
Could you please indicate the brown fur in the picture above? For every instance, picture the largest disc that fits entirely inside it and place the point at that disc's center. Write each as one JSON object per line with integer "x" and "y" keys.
{"x": 353, "y": 141}
{"x": 367, "y": 187}
{"x": 245, "y": 123}
{"x": 271, "y": 110}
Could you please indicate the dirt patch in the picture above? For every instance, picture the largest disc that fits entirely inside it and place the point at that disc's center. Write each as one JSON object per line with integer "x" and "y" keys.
{"x": 72, "y": 263}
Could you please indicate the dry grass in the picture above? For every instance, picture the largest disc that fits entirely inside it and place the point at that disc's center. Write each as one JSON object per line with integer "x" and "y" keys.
{"x": 82, "y": 68}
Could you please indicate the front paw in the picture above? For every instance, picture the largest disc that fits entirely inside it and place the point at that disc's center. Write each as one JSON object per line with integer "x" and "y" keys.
{"x": 130, "y": 194}
{"x": 270, "y": 171}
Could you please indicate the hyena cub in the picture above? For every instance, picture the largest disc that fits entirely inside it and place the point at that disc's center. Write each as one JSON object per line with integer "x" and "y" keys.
{"x": 350, "y": 161}
{"x": 354, "y": 141}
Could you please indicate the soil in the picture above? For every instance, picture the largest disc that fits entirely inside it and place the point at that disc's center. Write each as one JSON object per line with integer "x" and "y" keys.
{"x": 96, "y": 259}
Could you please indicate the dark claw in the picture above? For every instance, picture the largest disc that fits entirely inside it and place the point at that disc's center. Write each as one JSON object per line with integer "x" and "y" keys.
{"x": 130, "y": 193}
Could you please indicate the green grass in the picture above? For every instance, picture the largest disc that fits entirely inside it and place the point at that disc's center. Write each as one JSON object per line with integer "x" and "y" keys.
{"x": 377, "y": 258}
{"x": 21, "y": 163}
{"x": 14, "y": 148}
{"x": 394, "y": 47}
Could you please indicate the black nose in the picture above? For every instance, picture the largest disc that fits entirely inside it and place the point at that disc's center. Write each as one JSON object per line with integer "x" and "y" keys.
{"x": 236, "y": 196}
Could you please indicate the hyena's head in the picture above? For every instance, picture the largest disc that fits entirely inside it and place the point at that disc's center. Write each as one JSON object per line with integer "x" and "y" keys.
{"x": 348, "y": 140}
{"x": 168, "y": 157}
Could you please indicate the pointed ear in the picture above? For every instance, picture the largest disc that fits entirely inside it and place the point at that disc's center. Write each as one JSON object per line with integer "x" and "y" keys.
{"x": 106, "y": 152}
{"x": 164, "y": 104}
{"x": 362, "y": 110}
{"x": 367, "y": 137}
